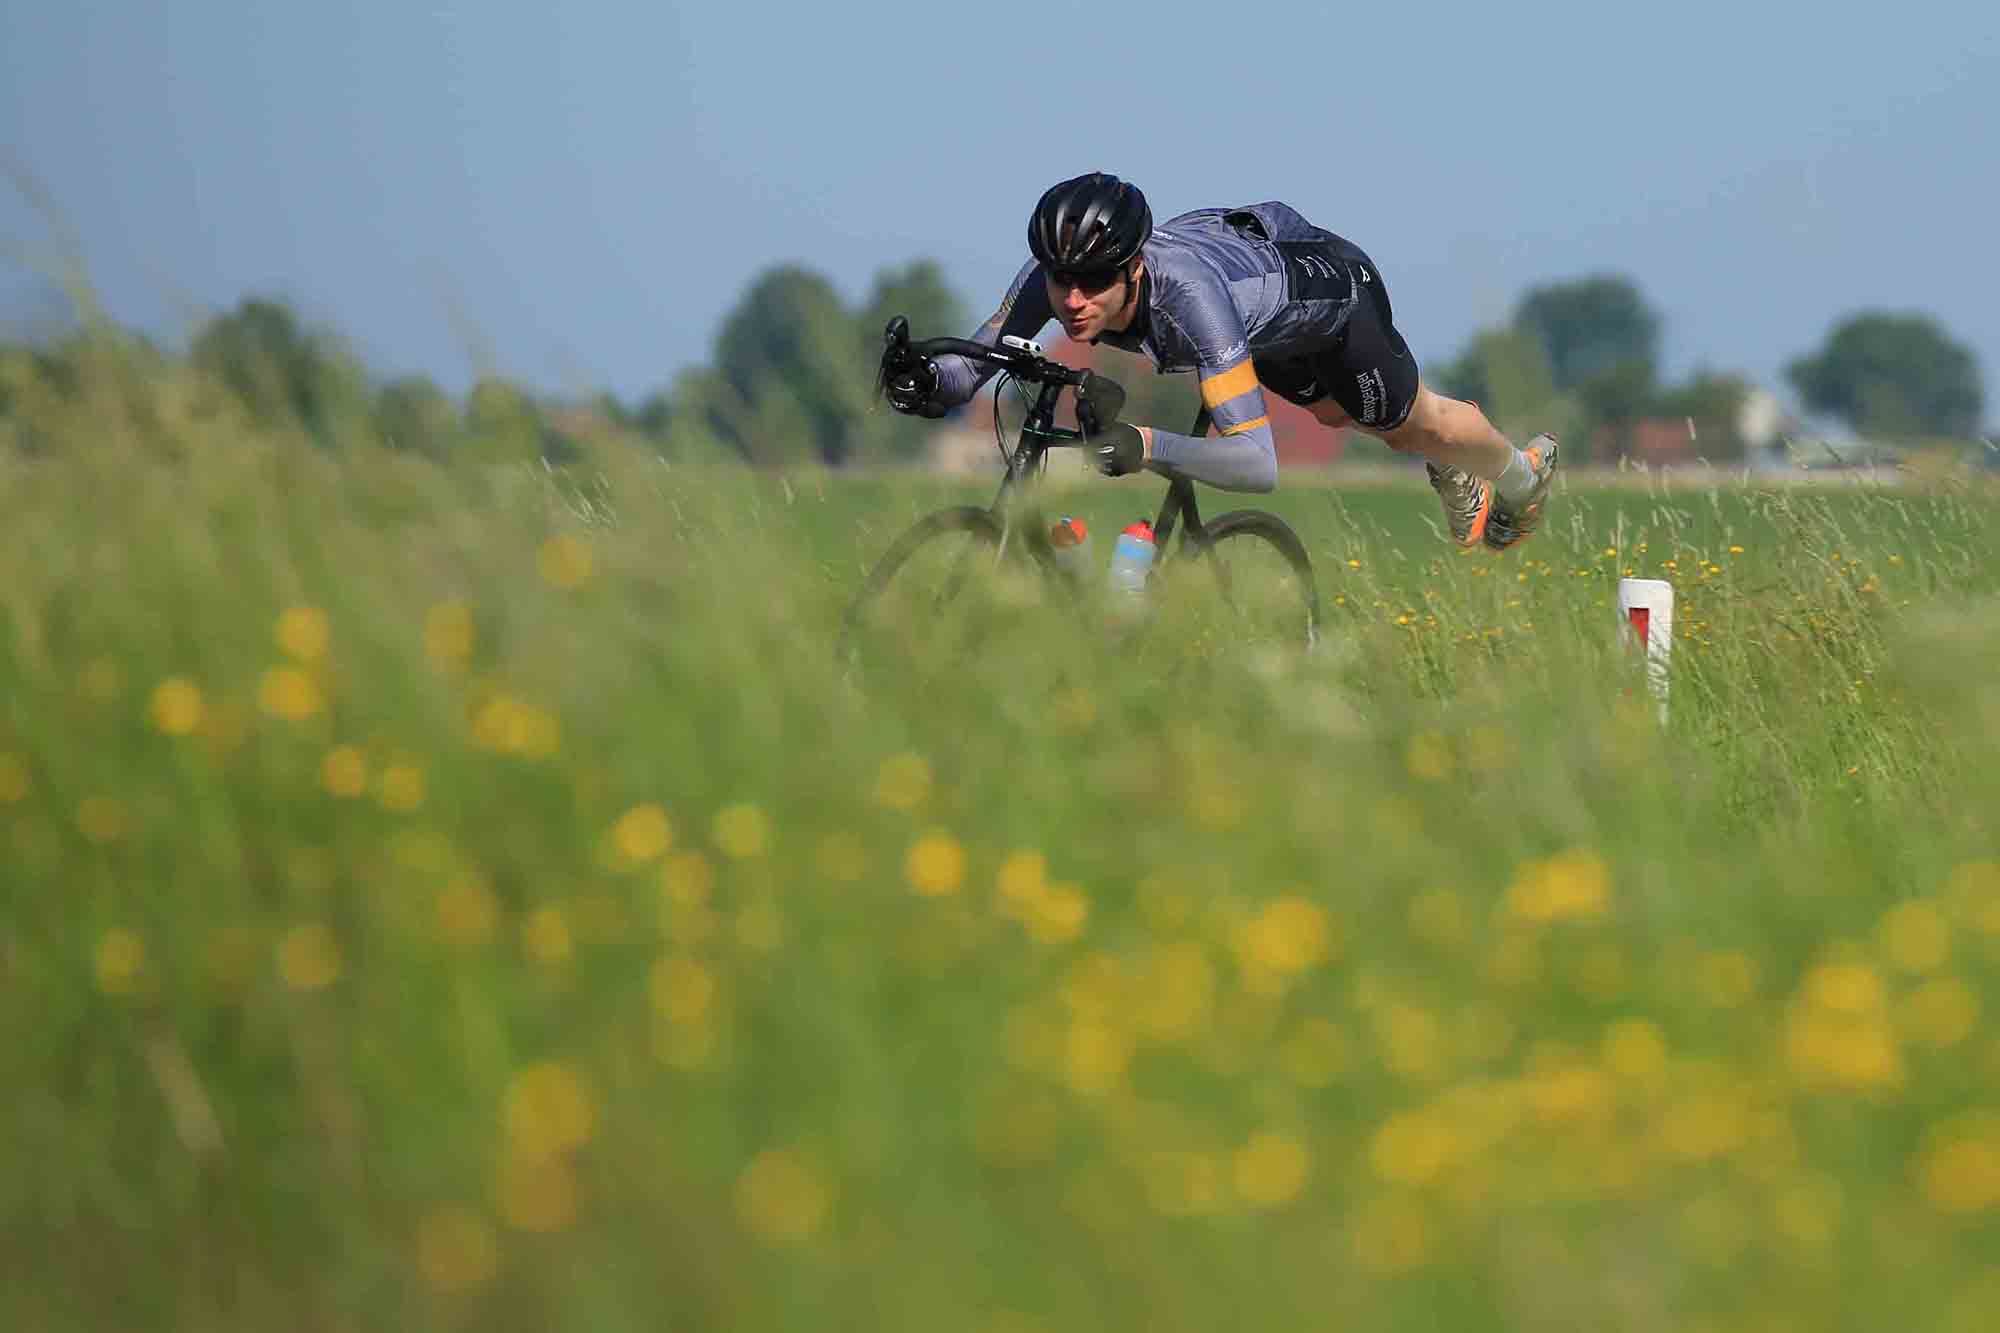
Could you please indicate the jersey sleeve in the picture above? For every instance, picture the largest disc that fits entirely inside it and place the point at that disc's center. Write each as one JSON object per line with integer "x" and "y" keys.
{"x": 1244, "y": 457}
{"x": 1023, "y": 313}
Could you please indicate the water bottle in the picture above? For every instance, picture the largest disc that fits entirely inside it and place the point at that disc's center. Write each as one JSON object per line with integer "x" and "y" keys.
{"x": 1067, "y": 536}
{"x": 1130, "y": 561}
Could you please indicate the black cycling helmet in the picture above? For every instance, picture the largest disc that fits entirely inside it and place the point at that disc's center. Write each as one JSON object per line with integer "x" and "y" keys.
{"x": 1091, "y": 223}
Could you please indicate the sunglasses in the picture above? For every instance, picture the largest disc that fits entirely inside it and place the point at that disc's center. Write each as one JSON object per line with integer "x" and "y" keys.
{"x": 1089, "y": 281}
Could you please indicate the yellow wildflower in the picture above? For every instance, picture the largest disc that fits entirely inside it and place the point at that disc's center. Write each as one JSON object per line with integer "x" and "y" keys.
{"x": 121, "y": 962}
{"x": 642, "y": 833}
{"x": 102, "y": 819}
{"x": 466, "y": 910}
{"x": 309, "y": 957}
{"x": 564, "y": 561}
{"x": 176, "y": 707}
{"x": 1958, "y": 1168}
{"x": 1571, "y": 886}
{"x": 1058, "y": 913}
{"x": 1413, "y": 1148}
{"x": 1942, "y": 1012}
{"x": 537, "y": 1194}
{"x": 1705, "y": 1125}
{"x": 903, "y": 782}
{"x": 780, "y": 1198}
{"x": 289, "y": 693}
{"x": 1634, "y": 1049}
{"x": 935, "y": 864}
{"x": 1183, "y": 1184}
{"x": 1287, "y": 937}
{"x": 1271, "y": 1169}
{"x": 1428, "y": 757}
{"x": 1094, "y": 1057}
{"x": 402, "y": 789}
{"x": 344, "y": 771}
{"x": 1973, "y": 890}
{"x": 1837, "y": 1034}
{"x": 14, "y": 784}
{"x": 1391, "y": 1235}
{"x": 1021, "y": 880}
{"x": 1845, "y": 988}
{"x": 1412, "y": 1041}
{"x": 742, "y": 831}
{"x": 689, "y": 879}
{"x": 1914, "y": 936}
{"x": 548, "y": 1110}
{"x": 303, "y": 633}
{"x": 456, "y": 1250}
{"x": 1176, "y": 989}
{"x": 545, "y": 937}
{"x": 449, "y": 635}
{"x": 683, "y": 989}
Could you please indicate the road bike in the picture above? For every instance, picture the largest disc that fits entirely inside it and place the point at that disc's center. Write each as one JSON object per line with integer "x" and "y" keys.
{"x": 1247, "y": 566}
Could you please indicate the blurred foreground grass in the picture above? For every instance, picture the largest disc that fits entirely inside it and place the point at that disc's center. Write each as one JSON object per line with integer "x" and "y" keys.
{"x": 477, "y": 900}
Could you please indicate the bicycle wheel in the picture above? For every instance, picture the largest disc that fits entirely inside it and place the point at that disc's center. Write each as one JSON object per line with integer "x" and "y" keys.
{"x": 934, "y": 595}
{"x": 1259, "y": 590}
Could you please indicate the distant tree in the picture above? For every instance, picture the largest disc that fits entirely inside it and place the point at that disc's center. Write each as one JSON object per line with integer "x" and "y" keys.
{"x": 653, "y": 414}
{"x": 414, "y": 414}
{"x": 503, "y": 424}
{"x": 1505, "y": 371}
{"x": 1590, "y": 327}
{"x": 1893, "y": 375}
{"x": 790, "y": 334}
{"x": 916, "y": 290}
{"x": 283, "y": 372}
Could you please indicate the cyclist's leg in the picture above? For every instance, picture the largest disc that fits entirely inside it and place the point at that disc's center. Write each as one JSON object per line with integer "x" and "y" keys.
{"x": 1373, "y": 379}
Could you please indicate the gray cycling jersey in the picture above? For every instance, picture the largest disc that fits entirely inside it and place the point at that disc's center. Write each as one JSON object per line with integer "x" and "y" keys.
{"x": 1222, "y": 286}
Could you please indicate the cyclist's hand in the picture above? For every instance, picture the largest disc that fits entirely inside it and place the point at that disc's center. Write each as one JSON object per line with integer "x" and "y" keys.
{"x": 910, "y": 382}
{"x": 1118, "y": 451}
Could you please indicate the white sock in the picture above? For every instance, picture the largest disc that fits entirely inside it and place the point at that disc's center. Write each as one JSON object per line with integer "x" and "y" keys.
{"x": 1516, "y": 479}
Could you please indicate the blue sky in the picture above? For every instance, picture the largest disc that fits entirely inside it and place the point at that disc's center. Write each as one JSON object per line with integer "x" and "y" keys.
{"x": 576, "y": 193}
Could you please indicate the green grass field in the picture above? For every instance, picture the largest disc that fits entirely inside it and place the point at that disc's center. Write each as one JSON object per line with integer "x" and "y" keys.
{"x": 480, "y": 900}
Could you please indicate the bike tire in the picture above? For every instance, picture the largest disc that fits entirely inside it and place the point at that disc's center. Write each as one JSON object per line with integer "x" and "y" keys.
{"x": 1256, "y": 525}
{"x": 979, "y": 526}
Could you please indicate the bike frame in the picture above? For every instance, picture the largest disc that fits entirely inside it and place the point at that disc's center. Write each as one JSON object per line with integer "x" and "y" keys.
{"x": 1038, "y": 435}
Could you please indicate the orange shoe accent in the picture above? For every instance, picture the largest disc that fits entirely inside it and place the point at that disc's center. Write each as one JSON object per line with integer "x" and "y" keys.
{"x": 1478, "y": 528}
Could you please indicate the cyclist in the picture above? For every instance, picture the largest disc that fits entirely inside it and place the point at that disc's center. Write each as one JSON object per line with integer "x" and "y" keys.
{"x": 1250, "y": 298}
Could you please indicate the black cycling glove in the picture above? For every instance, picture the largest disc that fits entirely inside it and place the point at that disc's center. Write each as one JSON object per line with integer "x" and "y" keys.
{"x": 1119, "y": 451}
{"x": 908, "y": 381}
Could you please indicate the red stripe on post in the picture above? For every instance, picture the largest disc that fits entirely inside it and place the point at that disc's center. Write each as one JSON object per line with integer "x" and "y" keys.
{"x": 1642, "y": 619}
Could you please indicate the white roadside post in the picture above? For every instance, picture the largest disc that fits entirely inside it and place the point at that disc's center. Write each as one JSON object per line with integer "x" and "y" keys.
{"x": 1647, "y": 605}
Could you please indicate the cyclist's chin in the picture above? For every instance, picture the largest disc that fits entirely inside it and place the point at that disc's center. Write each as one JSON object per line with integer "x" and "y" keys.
{"x": 1080, "y": 330}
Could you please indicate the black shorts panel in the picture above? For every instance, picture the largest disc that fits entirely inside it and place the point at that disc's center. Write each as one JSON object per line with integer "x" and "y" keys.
{"x": 1367, "y": 367}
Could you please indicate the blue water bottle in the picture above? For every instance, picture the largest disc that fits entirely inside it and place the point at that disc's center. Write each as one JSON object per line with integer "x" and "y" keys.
{"x": 1130, "y": 561}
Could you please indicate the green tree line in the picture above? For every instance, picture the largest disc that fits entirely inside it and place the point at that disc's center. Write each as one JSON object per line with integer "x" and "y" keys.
{"x": 1582, "y": 357}
{"x": 790, "y": 380}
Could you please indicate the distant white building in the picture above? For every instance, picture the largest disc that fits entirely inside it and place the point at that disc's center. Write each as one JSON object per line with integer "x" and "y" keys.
{"x": 1760, "y": 420}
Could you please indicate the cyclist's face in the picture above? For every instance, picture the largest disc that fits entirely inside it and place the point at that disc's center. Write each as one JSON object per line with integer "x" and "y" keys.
{"x": 1089, "y": 303}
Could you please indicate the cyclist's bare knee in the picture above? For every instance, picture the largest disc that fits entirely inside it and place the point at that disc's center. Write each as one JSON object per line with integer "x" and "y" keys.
{"x": 1422, "y": 429}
